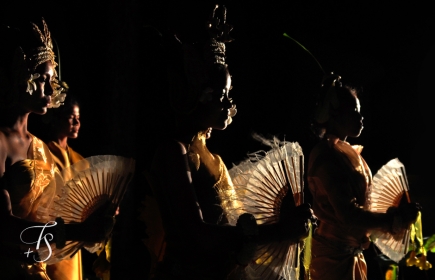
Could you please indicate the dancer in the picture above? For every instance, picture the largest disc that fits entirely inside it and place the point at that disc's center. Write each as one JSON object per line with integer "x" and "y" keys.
{"x": 28, "y": 171}
{"x": 191, "y": 185}
{"x": 65, "y": 124}
{"x": 339, "y": 180}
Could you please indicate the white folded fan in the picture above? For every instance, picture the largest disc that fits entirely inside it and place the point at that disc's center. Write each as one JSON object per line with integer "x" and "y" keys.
{"x": 389, "y": 186}
{"x": 261, "y": 183}
{"x": 89, "y": 184}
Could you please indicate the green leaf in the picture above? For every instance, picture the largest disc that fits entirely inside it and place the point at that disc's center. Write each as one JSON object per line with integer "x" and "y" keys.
{"x": 430, "y": 244}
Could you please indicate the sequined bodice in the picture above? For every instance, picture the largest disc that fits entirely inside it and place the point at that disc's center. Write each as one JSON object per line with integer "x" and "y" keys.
{"x": 31, "y": 182}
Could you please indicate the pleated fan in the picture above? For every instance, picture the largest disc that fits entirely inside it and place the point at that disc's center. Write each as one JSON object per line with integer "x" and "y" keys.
{"x": 89, "y": 184}
{"x": 261, "y": 183}
{"x": 389, "y": 186}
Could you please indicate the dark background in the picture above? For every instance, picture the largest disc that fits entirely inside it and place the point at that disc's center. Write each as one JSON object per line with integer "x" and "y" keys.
{"x": 111, "y": 59}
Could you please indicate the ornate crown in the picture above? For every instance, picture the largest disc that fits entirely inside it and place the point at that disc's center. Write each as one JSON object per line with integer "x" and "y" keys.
{"x": 44, "y": 52}
{"x": 219, "y": 32}
{"x": 198, "y": 59}
{"x": 41, "y": 54}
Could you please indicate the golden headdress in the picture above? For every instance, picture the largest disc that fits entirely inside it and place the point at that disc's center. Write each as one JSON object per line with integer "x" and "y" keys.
{"x": 24, "y": 50}
{"x": 219, "y": 31}
{"x": 44, "y": 52}
{"x": 199, "y": 58}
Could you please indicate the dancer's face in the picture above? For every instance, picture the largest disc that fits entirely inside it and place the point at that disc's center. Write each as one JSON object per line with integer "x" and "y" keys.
{"x": 349, "y": 121}
{"x": 216, "y": 104}
{"x": 69, "y": 124}
{"x": 38, "y": 101}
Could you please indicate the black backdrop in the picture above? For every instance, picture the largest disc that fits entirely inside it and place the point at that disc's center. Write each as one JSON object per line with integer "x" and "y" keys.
{"x": 111, "y": 60}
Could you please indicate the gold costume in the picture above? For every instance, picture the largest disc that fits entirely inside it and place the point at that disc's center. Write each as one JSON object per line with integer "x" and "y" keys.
{"x": 63, "y": 157}
{"x": 185, "y": 256}
{"x": 31, "y": 184}
{"x": 70, "y": 269}
{"x": 339, "y": 180}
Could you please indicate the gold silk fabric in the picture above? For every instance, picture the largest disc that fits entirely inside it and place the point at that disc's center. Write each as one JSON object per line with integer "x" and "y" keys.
{"x": 31, "y": 184}
{"x": 199, "y": 154}
{"x": 188, "y": 256}
{"x": 30, "y": 200}
{"x": 69, "y": 269}
{"x": 63, "y": 157}
{"x": 339, "y": 180}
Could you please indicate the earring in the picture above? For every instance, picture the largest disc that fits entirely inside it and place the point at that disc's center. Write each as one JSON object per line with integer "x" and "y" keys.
{"x": 233, "y": 110}
{"x": 208, "y": 133}
{"x": 31, "y": 85}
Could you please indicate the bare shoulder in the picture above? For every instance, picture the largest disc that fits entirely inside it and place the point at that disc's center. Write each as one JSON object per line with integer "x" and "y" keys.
{"x": 2, "y": 137}
{"x": 170, "y": 147}
{"x": 5, "y": 203}
{"x": 170, "y": 155}
{"x": 3, "y": 152}
{"x": 170, "y": 172}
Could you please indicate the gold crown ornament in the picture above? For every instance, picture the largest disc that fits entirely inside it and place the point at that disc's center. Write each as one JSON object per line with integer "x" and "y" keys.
{"x": 44, "y": 52}
{"x": 25, "y": 60}
{"x": 219, "y": 31}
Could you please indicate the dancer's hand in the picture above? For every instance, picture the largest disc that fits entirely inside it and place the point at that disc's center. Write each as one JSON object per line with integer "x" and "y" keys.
{"x": 403, "y": 216}
{"x": 295, "y": 221}
{"x": 100, "y": 229}
{"x": 98, "y": 225}
{"x": 409, "y": 213}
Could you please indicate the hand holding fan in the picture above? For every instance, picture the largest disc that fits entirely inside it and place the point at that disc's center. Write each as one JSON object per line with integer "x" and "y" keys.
{"x": 390, "y": 184}
{"x": 262, "y": 182}
{"x": 95, "y": 182}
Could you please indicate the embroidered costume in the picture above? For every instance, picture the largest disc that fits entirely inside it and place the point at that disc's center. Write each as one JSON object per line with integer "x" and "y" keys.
{"x": 70, "y": 269}
{"x": 339, "y": 180}
{"x": 31, "y": 184}
{"x": 63, "y": 157}
{"x": 184, "y": 255}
